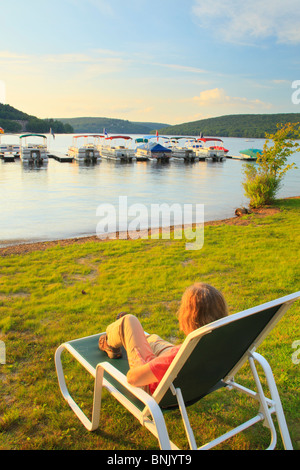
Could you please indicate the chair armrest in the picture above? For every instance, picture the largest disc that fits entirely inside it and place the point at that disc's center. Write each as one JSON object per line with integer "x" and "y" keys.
{"x": 138, "y": 392}
{"x": 122, "y": 379}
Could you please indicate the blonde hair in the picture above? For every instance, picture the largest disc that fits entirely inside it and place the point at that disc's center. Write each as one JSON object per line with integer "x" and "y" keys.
{"x": 200, "y": 304}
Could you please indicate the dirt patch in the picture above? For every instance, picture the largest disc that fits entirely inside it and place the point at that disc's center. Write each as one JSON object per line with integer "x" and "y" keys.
{"x": 16, "y": 295}
{"x": 241, "y": 220}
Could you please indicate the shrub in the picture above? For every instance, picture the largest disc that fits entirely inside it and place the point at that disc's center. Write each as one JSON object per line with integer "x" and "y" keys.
{"x": 263, "y": 179}
{"x": 261, "y": 188}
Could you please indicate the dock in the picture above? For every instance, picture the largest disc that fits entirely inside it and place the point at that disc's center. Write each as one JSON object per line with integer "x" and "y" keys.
{"x": 60, "y": 157}
{"x": 240, "y": 157}
{"x": 8, "y": 157}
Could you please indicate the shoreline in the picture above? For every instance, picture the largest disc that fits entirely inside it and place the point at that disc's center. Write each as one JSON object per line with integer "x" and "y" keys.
{"x": 29, "y": 247}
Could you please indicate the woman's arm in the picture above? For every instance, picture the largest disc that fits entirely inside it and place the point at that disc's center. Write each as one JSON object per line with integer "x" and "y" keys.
{"x": 141, "y": 375}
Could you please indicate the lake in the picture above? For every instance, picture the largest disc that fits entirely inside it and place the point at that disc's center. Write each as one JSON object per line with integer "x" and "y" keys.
{"x": 60, "y": 200}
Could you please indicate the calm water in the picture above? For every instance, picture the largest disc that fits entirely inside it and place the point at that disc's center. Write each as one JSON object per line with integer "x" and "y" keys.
{"x": 60, "y": 200}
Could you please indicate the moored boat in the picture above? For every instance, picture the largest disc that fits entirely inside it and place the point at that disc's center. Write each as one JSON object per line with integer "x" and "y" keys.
{"x": 35, "y": 151}
{"x": 182, "y": 150}
{"x": 250, "y": 154}
{"x": 9, "y": 150}
{"x": 211, "y": 148}
{"x": 86, "y": 151}
{"x": 141, "y": 152}
{"x": 116, "y": 147}
{"x": 154, "y": 152}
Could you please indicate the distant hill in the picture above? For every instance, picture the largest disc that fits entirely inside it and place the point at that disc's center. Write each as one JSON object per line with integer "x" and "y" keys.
{"x": 12, "y": 120}
{"x": 239, "y": 125}
{"x": 112, "y": 126}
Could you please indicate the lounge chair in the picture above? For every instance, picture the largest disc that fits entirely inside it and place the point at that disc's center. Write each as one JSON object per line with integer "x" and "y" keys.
{"x": 208, "y": 360}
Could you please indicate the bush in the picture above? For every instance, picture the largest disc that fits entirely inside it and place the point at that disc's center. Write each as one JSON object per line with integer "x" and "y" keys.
{"x": 263, "y": 179}
{"x": 261, "y": 188}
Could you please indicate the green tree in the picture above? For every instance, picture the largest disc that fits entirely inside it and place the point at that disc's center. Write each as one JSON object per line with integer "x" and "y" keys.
{"x": 264, "y": 178}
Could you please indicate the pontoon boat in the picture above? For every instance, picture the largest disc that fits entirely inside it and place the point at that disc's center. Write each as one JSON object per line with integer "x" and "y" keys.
{"x": 211, "y": 148}
{"x": 182, "y": 151}
{"x": 88, "y": 150}
{"x": 116, "y": 148}
{"x": 33, "y": 152}
{"x": 9, "y": 150}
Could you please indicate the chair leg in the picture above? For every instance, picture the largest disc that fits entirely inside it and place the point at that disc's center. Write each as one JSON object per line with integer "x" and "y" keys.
{"x": 89, "y": 425}
{"x": 186, "y": 422}
{"x": 276, "y": 399}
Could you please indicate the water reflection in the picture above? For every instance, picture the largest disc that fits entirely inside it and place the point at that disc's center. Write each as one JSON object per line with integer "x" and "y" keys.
{"x": 33, "y": 166}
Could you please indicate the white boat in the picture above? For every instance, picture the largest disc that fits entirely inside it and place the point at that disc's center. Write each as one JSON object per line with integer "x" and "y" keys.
{"x": 153, "y": 151}
{"x": 141, "y": 154}
{"x": 211, "y": 148}
{"x": 116, "y": 147}
{"x": 182, "y": 150}
{"x": 36, "y": 151}
{"x": 88, "y": 150}
{"x": 9, "y": 150}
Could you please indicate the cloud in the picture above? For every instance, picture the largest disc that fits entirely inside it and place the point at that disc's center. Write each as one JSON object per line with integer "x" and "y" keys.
{"x": 78, "y": 66}
{"x": 237, "y": 21}
{"x": 218, "y": 97}
{"x": 181, "y": 68}
{"x": 7, "y": 57}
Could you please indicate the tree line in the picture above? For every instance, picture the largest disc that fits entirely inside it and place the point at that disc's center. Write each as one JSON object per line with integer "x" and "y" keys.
{"x": 241, "y": 125}
{"x": 15, "y": 121}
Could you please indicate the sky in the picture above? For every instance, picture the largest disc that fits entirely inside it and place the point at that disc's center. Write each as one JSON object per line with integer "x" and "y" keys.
{"x": 166, "y": 61}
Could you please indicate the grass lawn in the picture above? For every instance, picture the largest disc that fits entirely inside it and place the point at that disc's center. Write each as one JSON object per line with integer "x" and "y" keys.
{"x": 65, "y": 292}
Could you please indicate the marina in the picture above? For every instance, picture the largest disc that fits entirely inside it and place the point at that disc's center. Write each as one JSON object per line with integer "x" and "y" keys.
{"x": 91, "y": 148}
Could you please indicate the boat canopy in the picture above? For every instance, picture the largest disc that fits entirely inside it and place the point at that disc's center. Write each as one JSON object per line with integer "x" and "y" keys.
{"x": 157, "y": 148}
{"x": 152, "y": 136}
{"x": 118, "y": 137}
{"x": 33, "y": 135}
{"x": 87, "y": 135}
{"x": 210, "y": 139}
